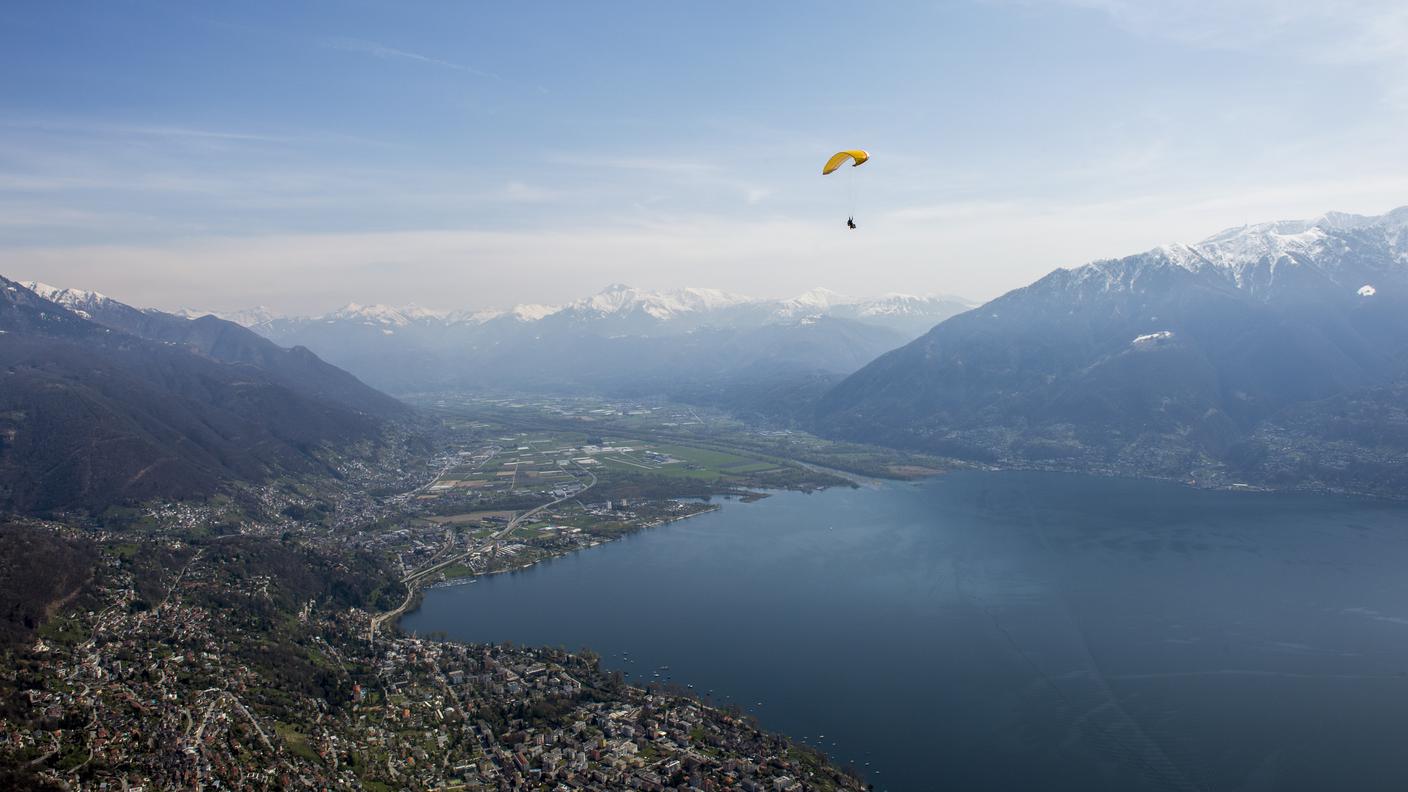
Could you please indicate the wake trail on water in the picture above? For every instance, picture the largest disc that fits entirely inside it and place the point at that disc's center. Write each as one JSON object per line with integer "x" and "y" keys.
{"x": 1085, "y": 698}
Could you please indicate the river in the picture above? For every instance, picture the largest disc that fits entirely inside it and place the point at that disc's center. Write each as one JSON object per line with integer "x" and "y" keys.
{"x": 1010, "y": 630}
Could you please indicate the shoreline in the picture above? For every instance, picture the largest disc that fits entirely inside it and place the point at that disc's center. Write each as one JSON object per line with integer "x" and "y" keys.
{"x": 870, "y": 482}
{"x": 469, "y": 579}
{"x": 1210, "y": 486}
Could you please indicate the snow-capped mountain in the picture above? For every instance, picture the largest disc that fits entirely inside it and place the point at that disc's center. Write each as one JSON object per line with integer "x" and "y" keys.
{"x": 625, "y": 310}
{"x": 1335, "y": 246}
{"x": 412, "y": 348}
{"x": 816, "y": 301}
{"x": 77, "y": 300}
{"x": 527, "y": 312}
{"x": 247, "y": 317}
{"x": 618, "y": 299}
{"x": 384, "y": 315}
{"x": 122, "y": 405}
{"x": 906, "y": 313}
{"x": 1183, "y": 361}
{"x": 84, "y": 302}
{"x": 679, "y": 309}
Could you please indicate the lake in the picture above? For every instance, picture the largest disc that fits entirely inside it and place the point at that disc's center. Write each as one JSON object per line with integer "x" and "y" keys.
{"x": 1010, "y": 630}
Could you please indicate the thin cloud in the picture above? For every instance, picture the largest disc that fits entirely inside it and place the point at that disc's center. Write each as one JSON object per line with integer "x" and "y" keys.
{"x": 30, "y": 216}
{"x": 391, "y": 53}
{"x": 954, "y": 211}
{"x": 520, "y": 192}
{"x": 756, "y": 195}
{"x": 1323, "y": 31}
{"x": 138, "y": 130}
{"x": 686, "y": 171}
{"x": 1371, "y": 34}
{"x": 677, "y": 167}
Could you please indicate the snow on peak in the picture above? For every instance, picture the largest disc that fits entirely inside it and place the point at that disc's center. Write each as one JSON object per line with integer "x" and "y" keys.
{"x": 1343, "y": 221}
{"x": 1251, "y": 254}
{"x": 1237, "y": 248}
{"x": 69, "y": 298}
{"x": 528, "y": 312}
{"x": 813, "y": 301}
{"x": 690, "y": 304}
{"x": 896, "y": 304}
{"x": 245, "y": 317}
{"x": 613, "y": 299}
{"x": 385, "y": 315}
{"x": 369, "y": 314}
{"x": 710, "y": 299}
{"x": 420, "y": 314}
{"x": 474, "y": 317}
{"x": 818, "y": 298}
{"x": 620, "y": 299}
{"x": 531, "y": 312}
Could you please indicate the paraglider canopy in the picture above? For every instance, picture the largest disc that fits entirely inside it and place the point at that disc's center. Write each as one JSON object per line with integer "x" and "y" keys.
{"x": 839, "y": 158}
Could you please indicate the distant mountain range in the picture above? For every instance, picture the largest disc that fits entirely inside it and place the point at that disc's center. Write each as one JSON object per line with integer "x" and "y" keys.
{"x": 620, "y": 339}
{"x": 1269, "y": 354}
{"x": 1273, "y": 353}
{"x": 102, "y": 403}
{"x": 657, "y": 310}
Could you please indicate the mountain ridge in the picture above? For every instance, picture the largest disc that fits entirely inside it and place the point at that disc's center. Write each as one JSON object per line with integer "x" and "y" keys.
{"x": 92, "y": 415}
{"x": 615, "y": 299}
{"x": 1169, "y": 362}
{"x": 619, "y": 339}
{"x": 295, "y": 368}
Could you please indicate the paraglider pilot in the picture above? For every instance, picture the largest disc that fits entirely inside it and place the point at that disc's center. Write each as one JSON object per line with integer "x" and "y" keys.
{"x": 856, "y": 157}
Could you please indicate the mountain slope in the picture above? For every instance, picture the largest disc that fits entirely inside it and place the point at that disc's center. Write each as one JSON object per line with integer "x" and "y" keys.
{"x": 1160, "y": 362}
{"x": 91, "y": 415}
{"x": 297, "y": 369}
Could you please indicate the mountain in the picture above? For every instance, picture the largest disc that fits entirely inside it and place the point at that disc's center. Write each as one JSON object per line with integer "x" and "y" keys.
{"x": 905, "y": 313}
{"x": 247, "y": 317}
{"x": 297, "y": 369}
{"x": 622, "y": 338}
{"x": 1188, "y": 360}
{"x": 92, "y": 414}
{"x": 621, "y": 303}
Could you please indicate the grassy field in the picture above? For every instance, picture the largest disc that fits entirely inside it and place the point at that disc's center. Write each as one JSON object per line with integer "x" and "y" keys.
{"x": 470, "y": 517}
{"x": 698, "y": 463}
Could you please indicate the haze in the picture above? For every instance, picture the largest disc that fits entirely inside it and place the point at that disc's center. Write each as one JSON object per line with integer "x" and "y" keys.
{"x": 483, "y": 155}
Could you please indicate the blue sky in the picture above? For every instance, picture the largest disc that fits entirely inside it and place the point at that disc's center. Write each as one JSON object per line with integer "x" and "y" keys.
{"x": 463, "y": 155}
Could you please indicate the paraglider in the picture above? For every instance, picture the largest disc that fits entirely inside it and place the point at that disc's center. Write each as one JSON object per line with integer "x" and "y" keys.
{"x": 839, "y": 158}
{"x": 856, "y": 157}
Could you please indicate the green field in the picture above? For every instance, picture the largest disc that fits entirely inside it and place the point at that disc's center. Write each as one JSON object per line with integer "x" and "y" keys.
{"x": 698, "y": 463}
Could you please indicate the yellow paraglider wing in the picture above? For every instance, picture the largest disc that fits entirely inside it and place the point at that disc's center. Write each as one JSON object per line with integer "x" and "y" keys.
{"x": 839, "y": 158}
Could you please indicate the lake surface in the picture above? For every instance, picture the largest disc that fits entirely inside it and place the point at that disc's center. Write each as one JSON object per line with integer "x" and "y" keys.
{"x": 1008, "y": 631}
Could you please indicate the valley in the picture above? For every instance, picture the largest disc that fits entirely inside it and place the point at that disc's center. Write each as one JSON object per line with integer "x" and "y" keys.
{"x": 245, "y": 543}
{"x": 255, "y": 633}
{"x": 916, "y": 396}
{"x": 528, "y": 480}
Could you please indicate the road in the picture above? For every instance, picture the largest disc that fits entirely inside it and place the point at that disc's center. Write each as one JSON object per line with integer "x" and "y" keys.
{"x": 413, "y": 579}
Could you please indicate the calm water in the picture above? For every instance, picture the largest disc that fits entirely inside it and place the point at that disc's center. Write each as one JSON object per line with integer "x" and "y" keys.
{"x": 1007, "y": 631}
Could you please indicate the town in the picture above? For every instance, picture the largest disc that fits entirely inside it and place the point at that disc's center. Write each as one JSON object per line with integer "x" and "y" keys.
{"x": 198, "y": 689}
{"x": 249, "y": 641}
